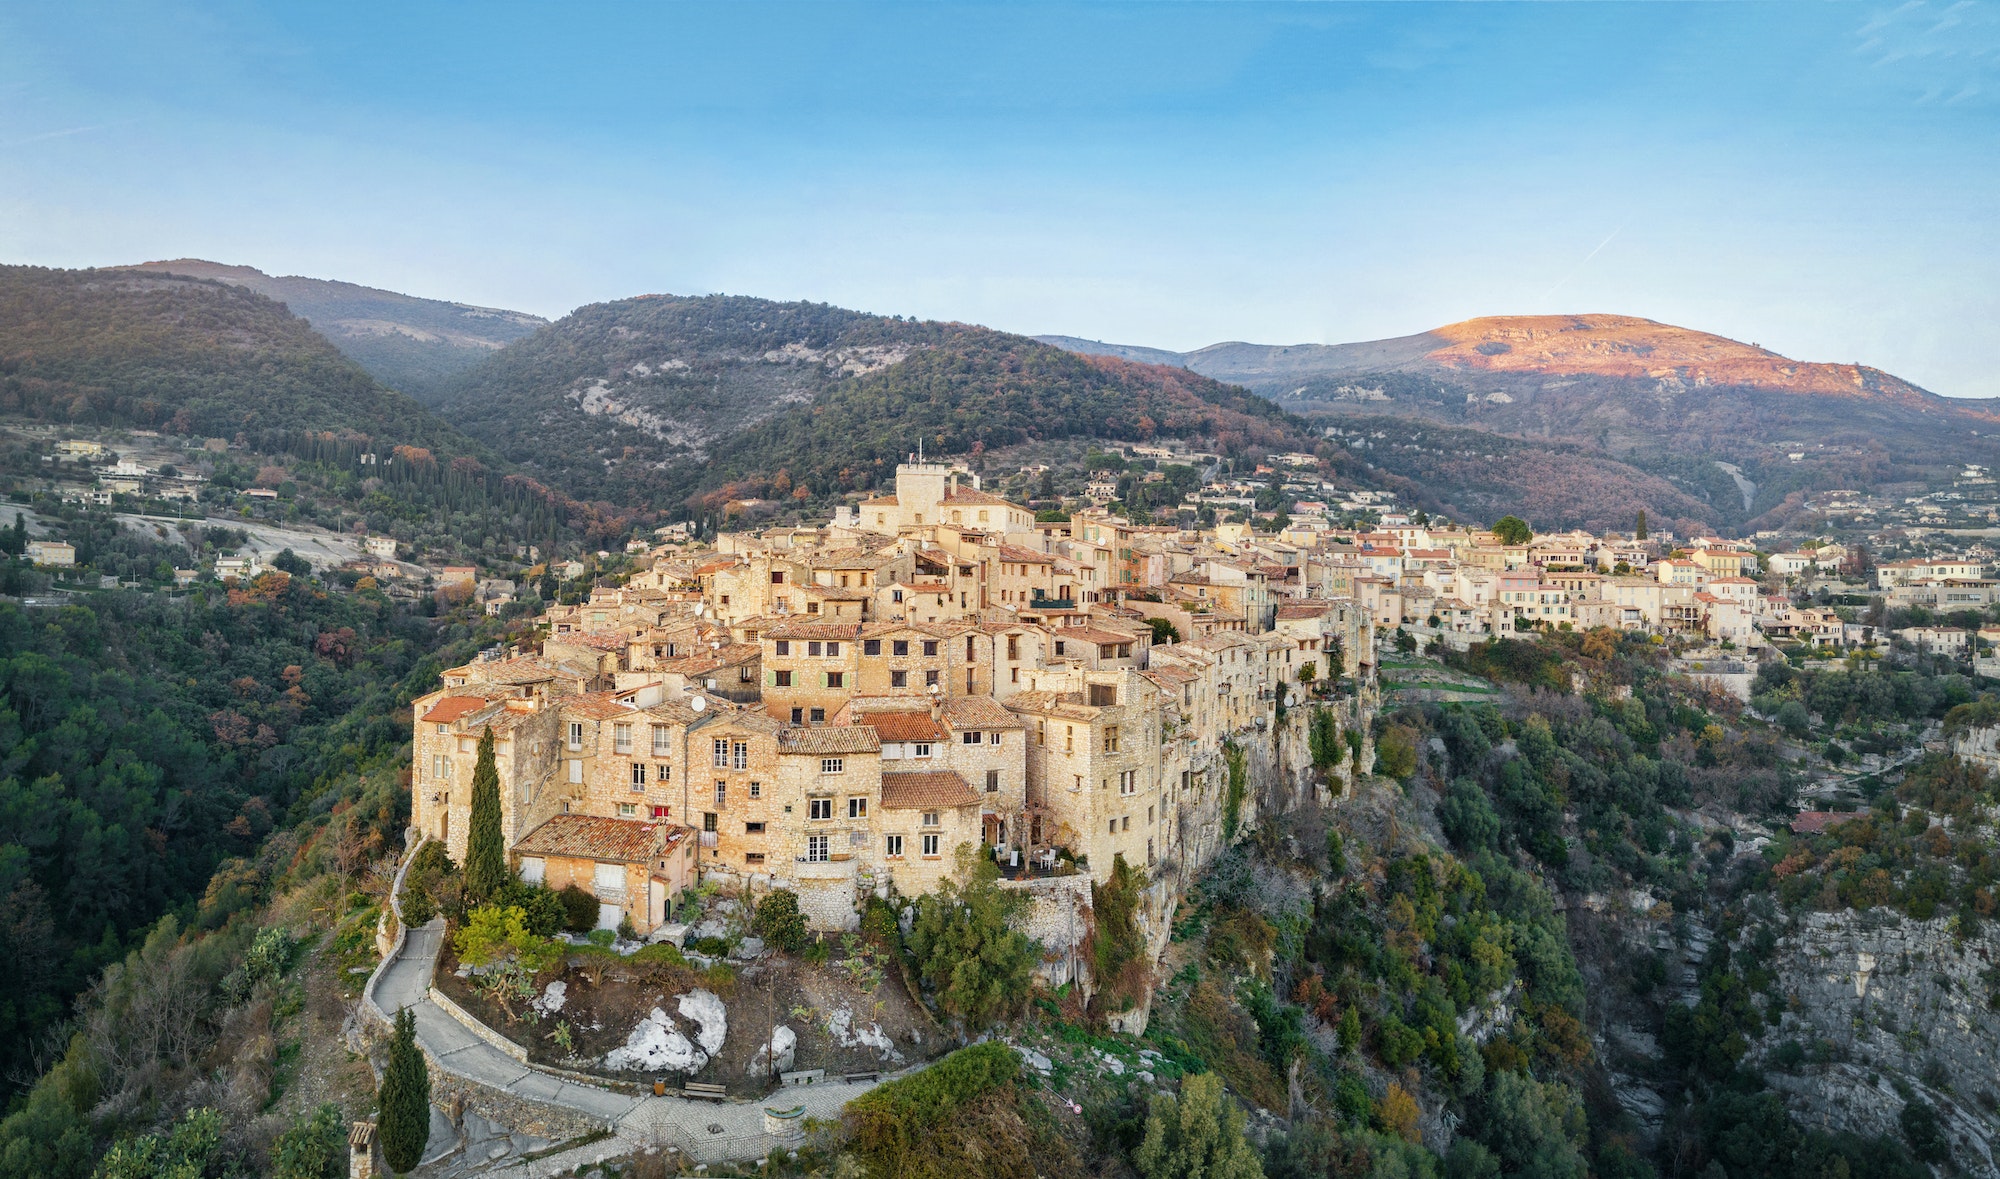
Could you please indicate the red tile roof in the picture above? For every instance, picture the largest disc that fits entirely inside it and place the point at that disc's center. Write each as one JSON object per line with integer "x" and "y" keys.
{"x": 452, "y": 708}
{"x": 1814, "y": 822}
{"x": 903, "y": 726}
{"x": 927, "y": 790}
{"x": 591, "y": 838}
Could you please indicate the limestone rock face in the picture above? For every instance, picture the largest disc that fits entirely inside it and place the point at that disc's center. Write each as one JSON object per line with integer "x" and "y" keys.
{"x": 1875, "y": 999}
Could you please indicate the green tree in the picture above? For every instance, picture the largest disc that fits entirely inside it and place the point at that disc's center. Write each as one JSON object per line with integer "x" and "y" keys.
{"x": 187, "y": 1151}
{"x": 1639, "y": 528}
{"x": 1164, "y": 631}
{"x": 1197, "y": 1135}
{"x": 290, "y": 562}
{"x": 779, "y": 922}
{"x": 485, "y": 856}
{"x": 965, "y": 949}
{"x": 404, "y": 1123}
{"x": 1535, "y": 1128}
{"x": 1512, "y": 530}
{"x": 314, "y": 1148}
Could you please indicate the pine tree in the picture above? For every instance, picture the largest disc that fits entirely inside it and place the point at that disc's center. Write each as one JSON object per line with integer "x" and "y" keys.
{"x": 485, "y": 858}
{"x": 403, "y": 1125}
{"x": 1639, "y": 533}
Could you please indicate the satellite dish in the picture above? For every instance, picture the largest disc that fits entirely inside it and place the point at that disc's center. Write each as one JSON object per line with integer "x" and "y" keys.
{"x": 934, "y": 689}
{"x": 698, "y": 703}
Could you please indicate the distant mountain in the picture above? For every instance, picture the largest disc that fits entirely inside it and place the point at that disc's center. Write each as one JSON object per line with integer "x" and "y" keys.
{"x": 408, "y": 343}
{"x": 658, "y": 398}
{"x": 1669, "y": 402}
{"x": 189, "y": 355}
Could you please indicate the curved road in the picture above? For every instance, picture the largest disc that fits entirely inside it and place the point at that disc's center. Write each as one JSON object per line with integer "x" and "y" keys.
{"x": 706, "y": 1131}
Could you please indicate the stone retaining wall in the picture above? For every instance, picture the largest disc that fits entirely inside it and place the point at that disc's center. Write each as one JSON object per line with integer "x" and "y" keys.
{"x": 472, "y": 1024}
{"x": 542, "y": 1119}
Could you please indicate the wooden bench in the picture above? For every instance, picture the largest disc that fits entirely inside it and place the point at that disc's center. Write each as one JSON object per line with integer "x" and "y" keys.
{"x": 705, "y": 1092}
{"x": 853, "y": 1077}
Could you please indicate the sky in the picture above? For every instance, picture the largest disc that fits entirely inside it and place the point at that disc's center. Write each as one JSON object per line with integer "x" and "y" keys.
{"x": 1822, "y": 179}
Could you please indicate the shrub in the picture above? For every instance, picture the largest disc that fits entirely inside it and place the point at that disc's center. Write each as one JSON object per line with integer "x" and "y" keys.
{"x": 626, "y": 929}
{"x": 893, "y": 1126}
{"x": 711, "y": 947}
{"x": 965, "y": 949}
{"x": 581, "y": 908}
{"x": 880, "y": 925}
{"x": 1197, "y": 1135}
{"x": 313, "y": 1148}
{"x": 779, "y": 922}
{"x": 418, "y": 908}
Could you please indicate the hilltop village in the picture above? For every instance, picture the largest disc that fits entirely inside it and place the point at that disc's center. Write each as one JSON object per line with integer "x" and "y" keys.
{"x": 841, "y": 710}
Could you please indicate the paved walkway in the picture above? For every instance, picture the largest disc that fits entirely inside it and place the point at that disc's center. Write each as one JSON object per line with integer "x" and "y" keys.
{"x": 708, "y": 1132}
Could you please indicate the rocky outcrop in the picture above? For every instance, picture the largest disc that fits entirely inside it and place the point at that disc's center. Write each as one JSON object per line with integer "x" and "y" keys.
{"x": 1879, "y": 1010}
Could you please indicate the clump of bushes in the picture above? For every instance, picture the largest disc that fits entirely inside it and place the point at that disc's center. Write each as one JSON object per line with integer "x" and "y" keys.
{"x": 779, "y": 922}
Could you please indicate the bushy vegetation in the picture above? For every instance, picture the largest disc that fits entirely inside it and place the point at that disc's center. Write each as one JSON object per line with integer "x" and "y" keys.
{"x": 975, "y": 965}
{"x": 965, "y": 1116}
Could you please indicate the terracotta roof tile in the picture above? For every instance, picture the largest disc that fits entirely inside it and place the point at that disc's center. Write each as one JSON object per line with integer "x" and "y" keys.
{"x": 451, "y": 708}
{"x": 927, "y": 790}
{"x": 903, "y": 726}
{"x": 833, "y": 739}
{"x": 591, "y": 838}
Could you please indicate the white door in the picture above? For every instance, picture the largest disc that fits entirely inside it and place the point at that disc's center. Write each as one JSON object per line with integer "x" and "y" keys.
{"x": 608, "y": 916}
{"x": 608, "y": 882}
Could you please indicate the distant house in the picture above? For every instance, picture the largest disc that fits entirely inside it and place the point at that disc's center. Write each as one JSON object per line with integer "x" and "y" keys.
{"x": 51, "y": 552}
{"x": 380, "y": 546}
{"x": 185, "y": 577}
{"x": 1816, "y": 822}
{"x": 244, "y": 567}
{"x": 77, "y": 448}
{"x": 261, "y": 493}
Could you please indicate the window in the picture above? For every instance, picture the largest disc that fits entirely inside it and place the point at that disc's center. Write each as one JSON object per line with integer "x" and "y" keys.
{"x": 819, "y": 716}
{"x": 893, "y": 847}
{"x": 1059, "y": 646}
{"x": 627, "y": 810}
{"x": 753, "y": 857}
{"x": 621, "y": 738}
{"x": 836, "y": 679}
{"x": 1013, "y": 646}
{"x": 746, "y": 674}
{"x": 930, "y": 679}
{"x": 777, "y": 577}
{"x": 871, "y": 646}
{"x": 1126, "y": 823}
{"x": 1128, "y": 782}
{"x": 819, "y": 808}
{"x": 721, "y": 748}
{"x": 899, "y": 679}
{"x": 638, "y": 775}
{"x": 816, "y": 849}
{"x": 896, "y": 595}
{"x": 721, "y": 792}
{"x": 576, "y": 734}
{"x": 798, "y": 714}
{"x": 753, "y": 828}
{"x": 438, "y": 766}
{"x": 1111, "y": 738}
{"x": 1013, "y": 675}
{"x": 442, "y": 729}
{"x": 784, "y": 647}
{"x": 1069, "y": 738}
{"x": 812, "y": 648}
{"x": 576, "y": 771}
{"x": 857, "y": 808}
{"x": 740, "y": 755}
{"x": 661, "y": 812}
{"x": 833, "y": 650}
{"x": 1103, "y": 695}
{"x": 969, "y": 656}
{"x": 1112, "y": 827}
{"x": 969, "y": 738}
{"x": 930, "y": 818}
{"x": 993, "y": 781}
{"x": 756, "y": 790}
{"x": 993, "y": 738}
{"x": 662, "y": 740}
{"x": 1149, "y": 816}
{"x": 781, "y": 679}
{"x": 1041, "y": 732}
{"x": 921, "y": 749}
{"x": 930, "y": 646}
{"x": 930, "y": 847}
{"x": 899, "y": 646}
{"x": 708, "y": 820}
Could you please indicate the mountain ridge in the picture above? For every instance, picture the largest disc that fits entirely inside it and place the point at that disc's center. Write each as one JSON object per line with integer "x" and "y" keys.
{"x": 407, "y": 342}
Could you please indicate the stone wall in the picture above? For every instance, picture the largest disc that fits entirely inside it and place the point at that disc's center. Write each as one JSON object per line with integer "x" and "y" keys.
{"x": 455, "y": 1094}
{"x": 1875, "y": 998}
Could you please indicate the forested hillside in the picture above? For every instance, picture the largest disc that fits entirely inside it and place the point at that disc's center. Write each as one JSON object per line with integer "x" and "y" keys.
{"x": 146, "y": 742}
{"x": 981, "y": 390}
{"x": 183, "y": 355}
{"x": 656, "y": 399}
{"x": 405, "y": 342}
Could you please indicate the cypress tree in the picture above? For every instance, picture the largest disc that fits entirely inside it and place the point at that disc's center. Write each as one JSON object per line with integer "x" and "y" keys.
{"x": 485, "y": 858}
{"x": 403, "y": 1125}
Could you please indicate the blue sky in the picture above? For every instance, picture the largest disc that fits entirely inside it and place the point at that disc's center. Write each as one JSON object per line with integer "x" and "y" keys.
{"x": 1820, "y": 179}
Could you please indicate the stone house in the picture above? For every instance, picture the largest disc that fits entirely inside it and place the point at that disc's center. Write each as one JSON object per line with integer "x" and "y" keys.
{"x": 636, "y": 870}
